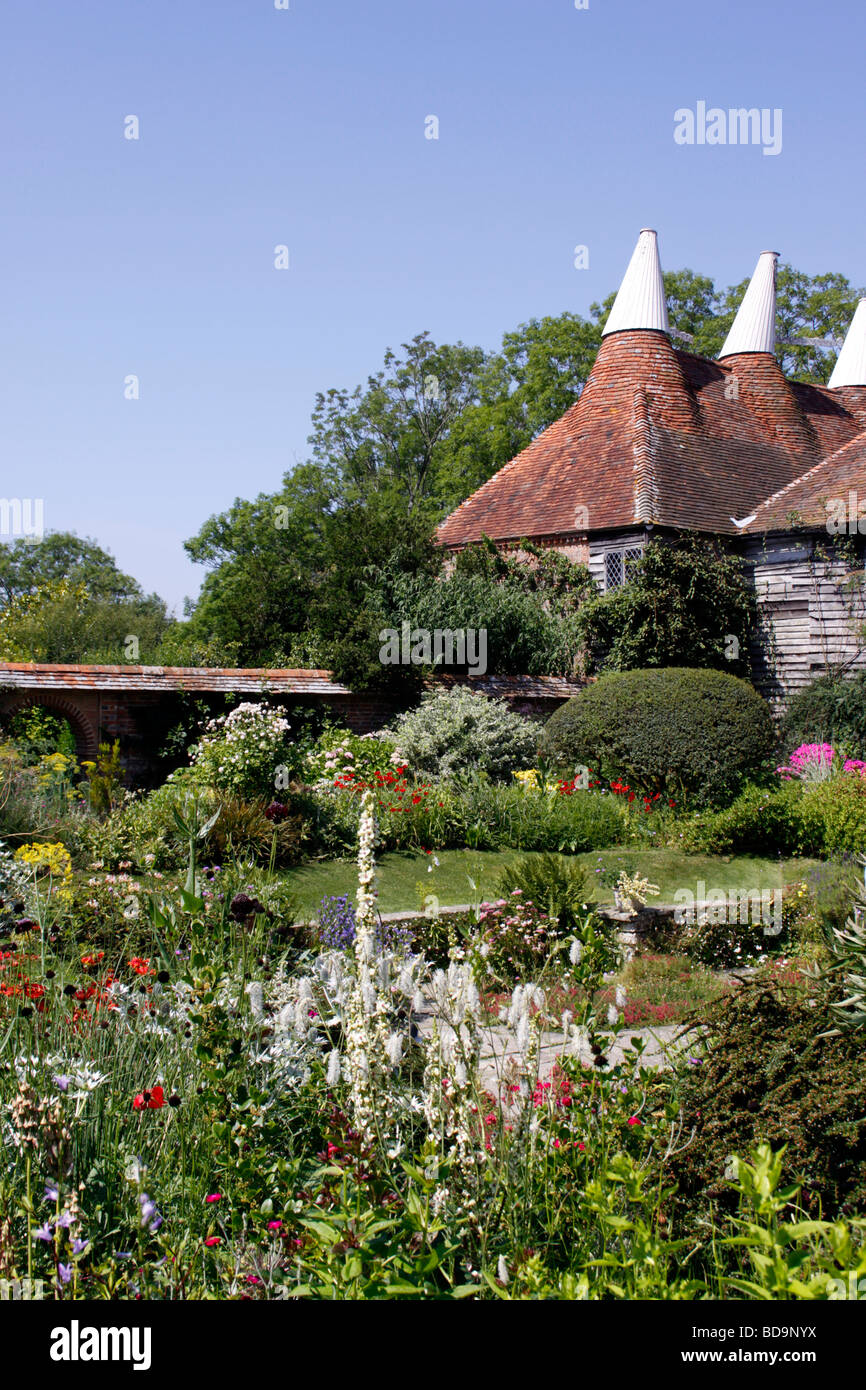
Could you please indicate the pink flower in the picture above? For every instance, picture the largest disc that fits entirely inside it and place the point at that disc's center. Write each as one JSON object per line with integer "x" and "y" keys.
{"x": 214, "y": 1240}
{"x": 214, "y": 1197}
{"x": 274, "y": 1225}
{"x": 633, "y": 1120}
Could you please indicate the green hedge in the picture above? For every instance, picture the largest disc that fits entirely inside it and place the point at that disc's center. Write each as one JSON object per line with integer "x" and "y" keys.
{"x": 685, "y": 732}
{"x": 827, "y": 818}
{"x": 772, "y": 1074}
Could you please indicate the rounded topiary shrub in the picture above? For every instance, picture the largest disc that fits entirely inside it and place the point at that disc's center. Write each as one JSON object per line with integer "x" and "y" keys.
{"x": 691, "y": 733}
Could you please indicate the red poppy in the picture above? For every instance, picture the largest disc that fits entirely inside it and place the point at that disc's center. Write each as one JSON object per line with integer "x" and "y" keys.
{"x": 150, "y": 1100}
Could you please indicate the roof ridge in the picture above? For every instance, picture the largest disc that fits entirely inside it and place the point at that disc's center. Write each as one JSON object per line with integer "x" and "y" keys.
{"x": 645, "y": 491}
{"x": 802, "y": 477}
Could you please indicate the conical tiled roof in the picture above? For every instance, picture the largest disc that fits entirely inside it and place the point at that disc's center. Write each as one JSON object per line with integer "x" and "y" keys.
{"x": 663, "y": 436}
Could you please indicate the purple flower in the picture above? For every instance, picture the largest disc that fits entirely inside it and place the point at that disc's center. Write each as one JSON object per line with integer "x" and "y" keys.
{"x": 150, "y": 1216}
{"x": 43, "y": 1232}
{"x": 50, "y": 1192}
{"x": 337, "y": 927}
{"x": 61, "y": 1082}
{"x": 65, "y": 1272}
{"x": 79, "y": 1246}
{"x": 65, "y": 1220}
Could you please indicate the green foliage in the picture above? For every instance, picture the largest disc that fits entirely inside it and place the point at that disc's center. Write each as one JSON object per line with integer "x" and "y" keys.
{"x": 36, "y": 731}
{"x": 685, "y": 732}
{"x": 142, "y": 831}
{"x": 65, "y": 600}
{"x": 554, "y": 885}
{"x": 761, "y": 820}
{"x": 242, "y": 828}
{"x": 26, "y": 567}
{"x": 105, "y": 777}
{"x": 371, "y": 545}
{"x": 60, "y": 622}
{"x": 262, "y": 557}
{"x": 836, "y": 809}
{"x": 831, "y": 709}
{"x": 795, "y": 818}
{"x": 470, "y": 812}
{"x": 683, "y": 603}
{"x": 769, "y": 1075}
{"x": 849, "y": 950}
{"x": 526, "y": 606}
{"x": 42, "y": 800}
{"x": 338, "y": 750}
{"x": 461, "y": 732}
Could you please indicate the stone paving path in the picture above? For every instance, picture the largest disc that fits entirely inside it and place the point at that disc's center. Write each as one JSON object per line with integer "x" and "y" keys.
{"x": 499, "y": 1051}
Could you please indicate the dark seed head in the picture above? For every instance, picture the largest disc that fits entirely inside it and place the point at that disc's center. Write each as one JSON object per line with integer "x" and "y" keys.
{"x": 163, "y": 977}
{"x": 69, "y": 990}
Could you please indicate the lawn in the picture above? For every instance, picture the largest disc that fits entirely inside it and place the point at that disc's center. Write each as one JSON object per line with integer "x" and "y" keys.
{"x": 404, "y": 878}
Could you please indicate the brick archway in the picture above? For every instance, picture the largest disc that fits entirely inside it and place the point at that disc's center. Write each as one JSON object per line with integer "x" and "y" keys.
{"x": 86, "y": 737}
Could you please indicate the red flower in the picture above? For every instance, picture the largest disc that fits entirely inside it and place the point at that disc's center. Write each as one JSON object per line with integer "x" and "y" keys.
{"x": 214, "y": 1240}
{"x": 150, "y": 1100}
{"x": 633, "y": 1120}
{"x": 141, "y": 967}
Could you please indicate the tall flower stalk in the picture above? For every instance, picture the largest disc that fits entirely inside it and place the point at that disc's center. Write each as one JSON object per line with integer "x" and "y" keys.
{"x": 366, "y": 1014}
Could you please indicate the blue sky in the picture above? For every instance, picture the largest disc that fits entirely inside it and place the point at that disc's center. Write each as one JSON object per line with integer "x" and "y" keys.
{"x": 306, "y": 127}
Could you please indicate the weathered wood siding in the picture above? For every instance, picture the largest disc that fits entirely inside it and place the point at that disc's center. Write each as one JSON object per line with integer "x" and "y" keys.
{"x": 811, "y": 605}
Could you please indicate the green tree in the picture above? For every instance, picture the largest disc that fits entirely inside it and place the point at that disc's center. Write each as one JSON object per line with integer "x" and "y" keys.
{"x": 61, "y": 622}
{"x": 26, "y": 565}
{"x": 265, "y": 560}
{"x": 389, "y": 437}
{"x": 687, "y": 603}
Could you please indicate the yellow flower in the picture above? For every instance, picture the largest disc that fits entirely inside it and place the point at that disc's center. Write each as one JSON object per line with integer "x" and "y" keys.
{"x": 55, "y": 860}
{"x": 528, "y": 778}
